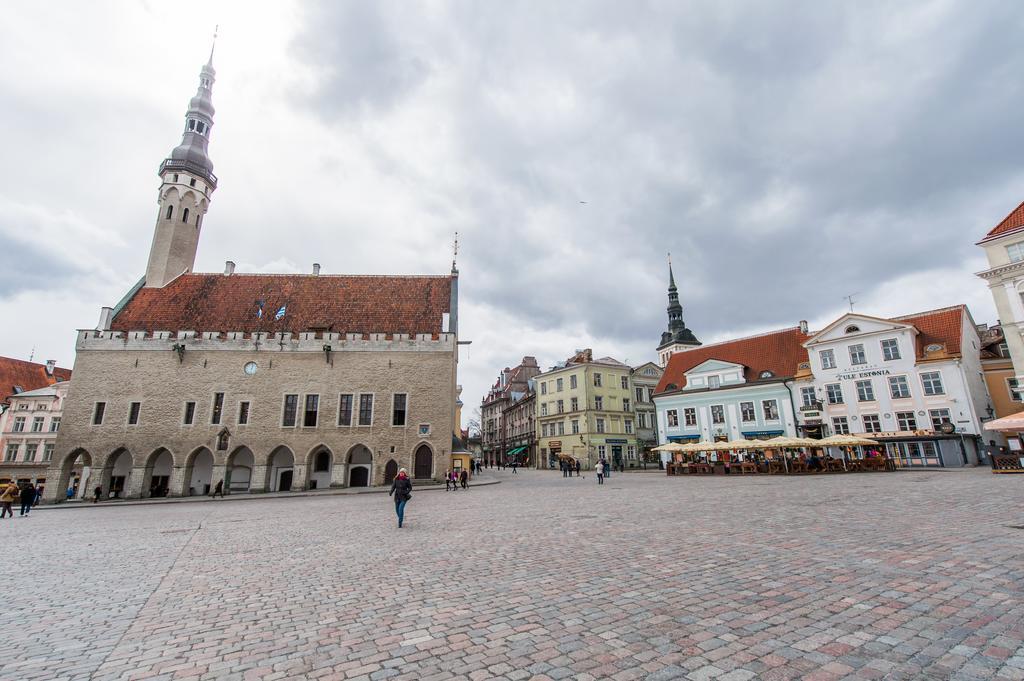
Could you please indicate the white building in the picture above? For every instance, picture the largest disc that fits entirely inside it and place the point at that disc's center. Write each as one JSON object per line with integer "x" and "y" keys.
{"x": 913, "y": 382}
{"x": 1004, "y": 246}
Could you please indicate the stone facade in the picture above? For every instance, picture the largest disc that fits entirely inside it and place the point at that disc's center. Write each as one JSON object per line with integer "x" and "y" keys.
{"x": 28, "y": 434}
{"x": 118, "y": 370}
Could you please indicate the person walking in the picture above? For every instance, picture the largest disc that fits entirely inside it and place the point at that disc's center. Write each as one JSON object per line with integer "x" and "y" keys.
{"x": 96, "y": 493}
{"x": 515, "y": 465}
{"x": 577, "y": 469}
{"x": 401, "y": 489}
{"x": 28, "y": 499}
{"x": 39, "y": 495}
{"x": 219, "y": 489}
{"x": 599, "y": 469}
{"x": 7, "y": 498}
{"x": 447, "y": 480}
{"x": 463, "y": 478}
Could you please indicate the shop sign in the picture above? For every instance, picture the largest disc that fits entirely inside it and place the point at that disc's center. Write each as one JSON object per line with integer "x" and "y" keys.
{"x": 612, "y": 441}
{"x": 857, "y": 375}
{"x": 555, "y": 443}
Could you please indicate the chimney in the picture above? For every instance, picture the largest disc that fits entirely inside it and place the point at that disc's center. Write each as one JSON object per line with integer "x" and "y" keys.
{"x": 316, "y": 269}
{"x": 106, "y": 316}
{"x": 803, "y": 326}
{"x": 50, "y": 365}
{"x": 229, "y": 267}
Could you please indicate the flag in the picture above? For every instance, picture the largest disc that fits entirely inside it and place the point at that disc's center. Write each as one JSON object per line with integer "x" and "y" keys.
{"x": 280, "y": 312}
{"x": 259, "y": 309}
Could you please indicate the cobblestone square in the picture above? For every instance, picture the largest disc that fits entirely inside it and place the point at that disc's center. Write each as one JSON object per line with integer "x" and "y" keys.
{"x": 905, "y": 576}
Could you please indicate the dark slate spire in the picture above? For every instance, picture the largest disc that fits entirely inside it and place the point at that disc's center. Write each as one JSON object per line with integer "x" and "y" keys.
{"x": 191, "y": 155}
{"x": 677, "y": 331}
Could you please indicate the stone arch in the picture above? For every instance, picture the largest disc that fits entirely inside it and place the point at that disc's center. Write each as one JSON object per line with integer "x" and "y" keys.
{"x": 390, "y": 471}
{"x": 156, "y": 480}
{"x": 238, "y": 470}
{"x": 79, "y": 480}
{"x": 117, "y": 470}
{"x": 280, "y": 465}
{"x": 360, "y": 466}
{"x": 198, "y": 472}
{"x": 319, "y": 464}
{"x": 423, "y": 461}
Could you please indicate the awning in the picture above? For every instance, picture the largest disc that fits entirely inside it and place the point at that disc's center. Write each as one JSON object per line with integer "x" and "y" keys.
{"x": 1007, "y": 424}
{"x": 683, "y": 438}
{"x": 761, "y": 433}
{"x": 515, "y": 451}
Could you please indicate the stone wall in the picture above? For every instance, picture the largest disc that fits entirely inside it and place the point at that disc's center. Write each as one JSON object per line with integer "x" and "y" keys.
{"x": 119, "y": 371}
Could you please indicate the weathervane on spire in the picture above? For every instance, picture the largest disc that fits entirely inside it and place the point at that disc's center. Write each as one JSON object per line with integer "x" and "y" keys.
{"x": 214, "y": 43}
{"x": 455, "y": 250}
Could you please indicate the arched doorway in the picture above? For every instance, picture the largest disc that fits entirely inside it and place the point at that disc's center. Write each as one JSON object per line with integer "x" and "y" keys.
{"x": 116, "y": 473}
{"x": 319, "y": 467}
{"x": 360, "y": 461}
{"x": 159, "y": 467}
{"x": 390, "y": 471}
{"x": 280, "y": 470}
{"x": 75, "y": 476}
{"x": 424, "y": 463}
{"x": 199, "y": 472}
{"x": 239, "y": 470}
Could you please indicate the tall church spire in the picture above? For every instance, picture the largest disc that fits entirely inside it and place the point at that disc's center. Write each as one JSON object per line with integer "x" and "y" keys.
{"x": 187, "y": 185}
{"x": 677, "y": 338}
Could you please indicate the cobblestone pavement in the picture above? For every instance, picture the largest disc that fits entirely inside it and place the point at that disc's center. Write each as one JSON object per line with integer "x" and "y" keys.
{"x": 905, "y": 575}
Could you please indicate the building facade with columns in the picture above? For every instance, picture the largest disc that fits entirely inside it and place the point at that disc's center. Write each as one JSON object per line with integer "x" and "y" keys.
{"x": 1004, "y": 248}
{"x": 265, "y": 382}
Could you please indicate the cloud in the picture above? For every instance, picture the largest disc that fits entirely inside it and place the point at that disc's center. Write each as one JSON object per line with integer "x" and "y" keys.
{"x": 787, "y": 155}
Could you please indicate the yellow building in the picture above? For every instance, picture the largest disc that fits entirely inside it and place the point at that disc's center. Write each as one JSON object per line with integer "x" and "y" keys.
{"x": 585, "y": 413}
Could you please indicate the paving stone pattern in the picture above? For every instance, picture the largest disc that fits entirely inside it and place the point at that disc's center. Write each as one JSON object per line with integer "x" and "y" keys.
{"x": 915, "y": 575}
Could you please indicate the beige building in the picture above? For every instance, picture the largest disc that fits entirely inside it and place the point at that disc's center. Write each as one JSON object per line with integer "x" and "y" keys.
{"x": 585, "y": 412}
{"x": 264, "y": 382}
{"x": 28, "y": 435}
{"x": 511, "y": 388}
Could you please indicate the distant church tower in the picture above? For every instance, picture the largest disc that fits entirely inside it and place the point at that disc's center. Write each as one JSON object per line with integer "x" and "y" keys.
{"x": 187, "y": 183}
{"x": 678, "y": 338}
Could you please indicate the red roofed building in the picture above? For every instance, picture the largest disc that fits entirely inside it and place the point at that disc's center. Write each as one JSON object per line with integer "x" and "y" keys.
{"x": 18, "y": 376}
{"x": 256, "y": 382}
{"x": 913, "y": 383}
{"x": 1004, "y": 247}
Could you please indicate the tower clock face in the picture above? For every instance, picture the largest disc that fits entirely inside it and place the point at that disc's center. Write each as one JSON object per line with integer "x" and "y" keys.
{"x": 250, "y": 368}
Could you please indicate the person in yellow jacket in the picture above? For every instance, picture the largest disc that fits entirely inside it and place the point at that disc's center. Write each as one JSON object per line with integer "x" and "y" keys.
{"x": 10, "y": 493}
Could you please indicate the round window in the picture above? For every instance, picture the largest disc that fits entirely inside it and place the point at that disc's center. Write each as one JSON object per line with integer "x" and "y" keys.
{"x": 250, "y": 368}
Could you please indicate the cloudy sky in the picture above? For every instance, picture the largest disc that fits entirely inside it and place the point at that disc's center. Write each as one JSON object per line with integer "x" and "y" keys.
{"x": 787, "y": 154}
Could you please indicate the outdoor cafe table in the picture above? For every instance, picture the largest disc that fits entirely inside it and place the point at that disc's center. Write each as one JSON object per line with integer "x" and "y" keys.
{"x": 747, "y": 467}
{"x": 797, "y": 466}
{"x": 700, "y": 468}
{"x": 775, "y": 467}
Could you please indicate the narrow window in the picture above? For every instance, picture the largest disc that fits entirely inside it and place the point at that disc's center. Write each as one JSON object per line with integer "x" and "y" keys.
{"x": 12, "y": 452}
{"x": 597, "y": 380}
{"x": 673, "y": 418}
{"x": 598, "y": 402}
{"x": 133, "y": 413}
{"x": 170, "y": 212}
{"x": 192, "y": 182}
{"x": 690, "y": 417}
{"x": 97, "y": 413}
{"x": 48, "y": 451}
{"x": 747, "y": 413}
{"x": 398, "y": 411}
{"x": 572, "y": 382}
{"x": 190, "y": 413}
{"x": 629, "y": 426}
{"x": 365, "y": 410}
{"x": 218, "y": 408}
{"x": 243, "y": 413}
{"x": 309, "y": 416}
{"x": 55, "y": 424}
{"x": 30, "y": 451}
{"x": 624, "y": 381}
{"x": 37, "y": 424}
{"x": 345, "y": 410}
{"x": 184, "y": 215}
{"x": 291, "y": 406}
{"x": 559, "y": 384}
{"x": 600, "y": 425}
{"x": 717, "y": 414}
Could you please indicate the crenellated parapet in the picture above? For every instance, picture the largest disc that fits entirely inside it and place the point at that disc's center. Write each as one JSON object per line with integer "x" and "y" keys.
{"x": 286, "y": 341}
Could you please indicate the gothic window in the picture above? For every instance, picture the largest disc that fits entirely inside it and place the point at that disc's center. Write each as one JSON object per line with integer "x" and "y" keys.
{"x": 191, "y": 124}
{"x": 184, "y": 215}
{"x": 170, "y": 212}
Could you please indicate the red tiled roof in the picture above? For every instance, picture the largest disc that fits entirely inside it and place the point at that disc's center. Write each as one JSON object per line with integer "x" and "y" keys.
{"x": 1011, "y": 223}
{"x": 943, "y": 326}
{"x": 778, "y": 351}
{"x": 27, "y": 375}
{"x": 342, "y": 304}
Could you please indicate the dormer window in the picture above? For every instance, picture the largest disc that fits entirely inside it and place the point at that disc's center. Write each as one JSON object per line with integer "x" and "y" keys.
{"x": 714, "y": 382}
{"x": 852, "y": 328}
{"x": 766, "y": 374}
{"x": 1015, "y": 251}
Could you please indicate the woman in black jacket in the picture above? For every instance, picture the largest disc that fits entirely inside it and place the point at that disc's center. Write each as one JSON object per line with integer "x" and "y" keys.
{"x": 401, "y": 488}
